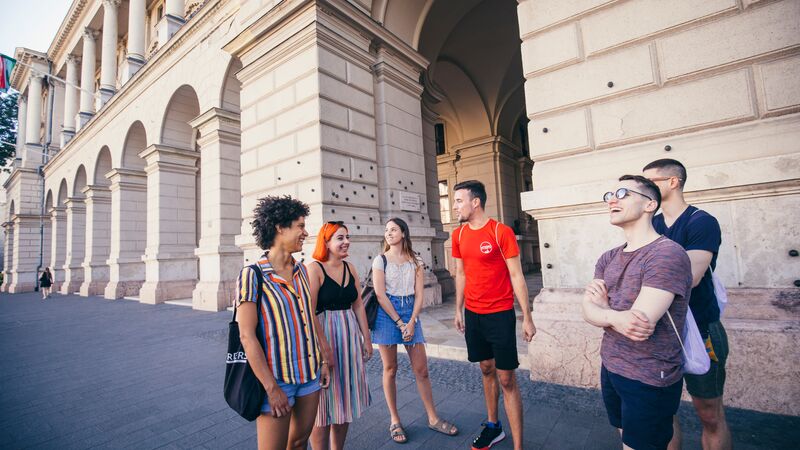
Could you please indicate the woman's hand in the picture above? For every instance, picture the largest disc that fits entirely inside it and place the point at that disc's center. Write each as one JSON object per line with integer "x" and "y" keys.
{"x": 366, "y": 351}
{"x": 278, "y": 402}
{"x": 325, "y": 376}
{"x": 408, "y": 330}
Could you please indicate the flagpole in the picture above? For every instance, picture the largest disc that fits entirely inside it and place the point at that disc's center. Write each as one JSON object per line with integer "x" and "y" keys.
{"x": 61, "y": 80}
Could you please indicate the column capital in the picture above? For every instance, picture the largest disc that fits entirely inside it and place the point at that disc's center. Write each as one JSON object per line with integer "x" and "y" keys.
{"x": 73, "y": 59}
{"x": 164, "y": 155}
{"x": 392, "y": 67}
{"x": 75, "y": 203}
{"x": 95, "y": 192}
{"x": 217, "y": 119}
{"x": 90, "y": 33}
{"x": 111, "y": 3}
{"x": 56, "y": 211}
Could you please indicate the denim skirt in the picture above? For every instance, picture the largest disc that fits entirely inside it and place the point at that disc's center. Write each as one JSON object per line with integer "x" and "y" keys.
{"x": 386, "y": 331}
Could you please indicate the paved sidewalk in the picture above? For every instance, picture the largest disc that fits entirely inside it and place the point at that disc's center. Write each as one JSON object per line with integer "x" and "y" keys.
{"x": 91, "y": 373}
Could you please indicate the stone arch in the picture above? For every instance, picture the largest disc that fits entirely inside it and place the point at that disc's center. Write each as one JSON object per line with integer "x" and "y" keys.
{"x": 475, "y": 86}
{"x": 181, "y": 109}
{"x": 80, "y": 182}
{"x": 102, "y": 166}
{"x": 135, "y": 142}
{"x": 231, "y": 88}
{"x": 62, "y": 193}
{"x": 48, "y": 202}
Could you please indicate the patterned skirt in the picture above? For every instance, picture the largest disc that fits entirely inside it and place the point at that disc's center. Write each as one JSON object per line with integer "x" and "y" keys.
{"x": 347, "y": 395}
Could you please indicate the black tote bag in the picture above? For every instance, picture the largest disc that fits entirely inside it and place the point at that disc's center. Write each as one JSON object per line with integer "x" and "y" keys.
{"x": 243, "y": 392}
{"x": 370, "y": 299}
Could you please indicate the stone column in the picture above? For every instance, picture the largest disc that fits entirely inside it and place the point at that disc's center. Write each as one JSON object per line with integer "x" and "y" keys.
{"x": 71, "y": 96}
{"x": 98, "y": 240}
{"x": 87, "y": 78}
{"x": 400, "y": 152}
{"x": 22, "y": 121}
{"x": 172, "y": 20}
{"x": 33, "y": 124}
{"x": 8, "y": 255}
{"x": 25, "y": 253}
{"x": 170, "y": 262}
{"x": 136, "y": 31}
{"x": 128, "y": 232}
{"x": 76, "y": 245}
{"x": 220, "y": 258}
{"x": 108, "y": 59}
{"x": 58, "y": 244}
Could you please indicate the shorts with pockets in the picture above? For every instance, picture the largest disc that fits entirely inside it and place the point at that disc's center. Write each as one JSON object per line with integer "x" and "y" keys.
{"x": 712, "y": 383}
{"x": 492, "y": 335}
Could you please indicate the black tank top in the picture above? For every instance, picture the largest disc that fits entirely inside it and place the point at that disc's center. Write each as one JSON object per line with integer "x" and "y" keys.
{"x": 335, "y": 297}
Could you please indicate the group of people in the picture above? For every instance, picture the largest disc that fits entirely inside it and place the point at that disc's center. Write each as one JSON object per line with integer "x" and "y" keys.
{"x": 309, "y": 340}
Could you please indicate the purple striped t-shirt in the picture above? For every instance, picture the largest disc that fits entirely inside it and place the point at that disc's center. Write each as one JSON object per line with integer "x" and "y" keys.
{"x": 661, "y": 264}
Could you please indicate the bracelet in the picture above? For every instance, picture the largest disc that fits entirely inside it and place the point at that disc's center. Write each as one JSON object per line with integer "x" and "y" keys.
{"x": 398, "y": 319}
{"x": 400, "y": 325}
{"x": 324, "y": 363}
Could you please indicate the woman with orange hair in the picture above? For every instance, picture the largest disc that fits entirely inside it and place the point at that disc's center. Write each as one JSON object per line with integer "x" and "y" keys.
{"x": 334, "y": 287}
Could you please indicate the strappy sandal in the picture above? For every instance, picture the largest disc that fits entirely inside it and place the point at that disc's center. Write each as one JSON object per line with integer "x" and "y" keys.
{"x": 396, "y": 431}
{"x": 444, "y": 427}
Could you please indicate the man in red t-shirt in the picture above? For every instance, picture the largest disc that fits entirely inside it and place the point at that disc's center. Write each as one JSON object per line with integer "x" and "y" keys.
{"x": 488, "y": 275}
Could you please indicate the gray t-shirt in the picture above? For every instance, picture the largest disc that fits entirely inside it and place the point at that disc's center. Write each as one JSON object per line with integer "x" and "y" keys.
{"x": 664, "y": 265}
{"x": 399, "y": 277}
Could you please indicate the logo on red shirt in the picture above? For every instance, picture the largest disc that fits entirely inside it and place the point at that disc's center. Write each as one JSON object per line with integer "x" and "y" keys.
{"x": 486, "y": 247}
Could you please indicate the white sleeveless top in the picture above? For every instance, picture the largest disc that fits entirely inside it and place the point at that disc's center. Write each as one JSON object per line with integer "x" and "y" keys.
{"x": 399, "y": 277}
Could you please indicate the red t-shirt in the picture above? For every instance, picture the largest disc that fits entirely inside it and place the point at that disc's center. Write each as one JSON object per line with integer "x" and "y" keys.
{"x": 488, "y": 283}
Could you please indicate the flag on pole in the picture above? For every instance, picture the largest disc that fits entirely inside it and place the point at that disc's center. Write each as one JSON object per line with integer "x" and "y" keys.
{"x": 7, "y": 64}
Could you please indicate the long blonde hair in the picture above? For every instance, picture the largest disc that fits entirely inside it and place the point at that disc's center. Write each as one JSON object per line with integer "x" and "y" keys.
{"x": 406, "y": 246}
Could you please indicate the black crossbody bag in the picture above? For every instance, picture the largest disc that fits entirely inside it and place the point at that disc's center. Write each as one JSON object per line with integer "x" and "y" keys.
{"x": 243, "y": 391}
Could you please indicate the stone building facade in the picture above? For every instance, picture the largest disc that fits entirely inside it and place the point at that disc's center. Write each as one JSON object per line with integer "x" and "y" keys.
{"x": 177, "y": 115}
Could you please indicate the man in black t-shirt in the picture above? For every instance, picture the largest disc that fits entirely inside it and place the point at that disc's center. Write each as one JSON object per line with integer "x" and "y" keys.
{"x": 699, "y": 234}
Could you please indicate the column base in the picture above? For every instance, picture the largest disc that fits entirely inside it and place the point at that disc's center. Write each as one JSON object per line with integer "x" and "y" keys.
{"x": 155, "y": 292}
{"x": 105, "y": 95}
{"x": 213, "y": 295}
{"x": 130, "y": 66}
{"x": 446, "y": 281}
{"x": 95, "y": 279}
{"x": 167, "y": 27}
{"x": 66, "y": 136}
{"x": 81, "y": 119}
{"x": 22, "y": 282}
{"x": 433, "y": 291}
{"x": 126, "y": 278}
{"x": 70, "y": 287}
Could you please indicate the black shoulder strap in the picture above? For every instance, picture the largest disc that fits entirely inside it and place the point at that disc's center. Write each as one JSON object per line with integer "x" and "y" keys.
{"x": 383, "y": 257}
{"x": 259, "y": 285}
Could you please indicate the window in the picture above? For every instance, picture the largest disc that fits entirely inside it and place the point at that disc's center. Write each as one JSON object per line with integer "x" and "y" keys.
{"x": 444, "y": 202}
{"x": 438, "y": 134}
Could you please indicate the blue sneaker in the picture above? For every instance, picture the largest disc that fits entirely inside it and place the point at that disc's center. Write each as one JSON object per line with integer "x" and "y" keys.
{"x": 492, "y": 434}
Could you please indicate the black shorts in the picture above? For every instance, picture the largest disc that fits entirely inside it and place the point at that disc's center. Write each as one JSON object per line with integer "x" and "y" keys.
{"x": 492, "y": 335}
{"x": 643, "y": 412}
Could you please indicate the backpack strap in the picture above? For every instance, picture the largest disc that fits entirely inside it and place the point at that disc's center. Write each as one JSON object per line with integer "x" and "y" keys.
{"x": 496, "y": 226}
{"x": 383, "y": 257}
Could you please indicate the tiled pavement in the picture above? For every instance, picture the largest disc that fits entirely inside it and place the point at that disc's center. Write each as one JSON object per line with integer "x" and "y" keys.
{"x": 90, "y": 373}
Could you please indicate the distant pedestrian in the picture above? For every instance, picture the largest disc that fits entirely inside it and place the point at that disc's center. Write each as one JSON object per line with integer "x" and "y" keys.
{"x": 46, "y": 283}
{"x": 288, "y": 357}
{"x": 334, "y": 286}
{"x": 399, "y": 286}
{"x": 488, "y": 276}
{"x": 698, "y": 232}
{"x": 635, "y": 286}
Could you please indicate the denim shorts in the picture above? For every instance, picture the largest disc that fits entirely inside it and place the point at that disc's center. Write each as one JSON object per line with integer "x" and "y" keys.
{"x": 386, "y": 331}
{"x": 292, "y": 391}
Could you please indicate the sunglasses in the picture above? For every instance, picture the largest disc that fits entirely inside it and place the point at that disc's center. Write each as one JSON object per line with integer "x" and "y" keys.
{"x": 622, "y": 193}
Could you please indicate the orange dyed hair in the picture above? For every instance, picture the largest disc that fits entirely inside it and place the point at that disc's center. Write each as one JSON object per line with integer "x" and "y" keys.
{"x": 325, "y": 234}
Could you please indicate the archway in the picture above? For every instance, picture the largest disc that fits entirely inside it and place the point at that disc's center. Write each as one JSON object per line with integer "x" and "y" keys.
{"x": 128, "y": 218}
{"x": 98, "y": 227}
{"x": 475, "y": 104}
{"x": 76, "y": 233}
{"x": 172, "y": 213}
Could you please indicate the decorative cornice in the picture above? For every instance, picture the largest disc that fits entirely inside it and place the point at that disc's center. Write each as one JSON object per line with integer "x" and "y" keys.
{"x": 26, "y": 58}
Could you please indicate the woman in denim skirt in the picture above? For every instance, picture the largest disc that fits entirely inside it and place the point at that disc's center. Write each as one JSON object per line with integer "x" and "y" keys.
{"x": 399, "y": 286}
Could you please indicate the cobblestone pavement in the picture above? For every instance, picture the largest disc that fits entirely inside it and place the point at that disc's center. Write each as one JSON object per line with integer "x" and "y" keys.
{"x": 91, "y": 373}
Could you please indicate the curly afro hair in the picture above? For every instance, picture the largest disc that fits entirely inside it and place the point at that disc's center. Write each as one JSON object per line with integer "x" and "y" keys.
{"x": 272, "y": 212}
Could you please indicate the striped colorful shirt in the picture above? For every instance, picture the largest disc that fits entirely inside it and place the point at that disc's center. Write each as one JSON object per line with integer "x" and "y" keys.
{"x": 290, "y": 339}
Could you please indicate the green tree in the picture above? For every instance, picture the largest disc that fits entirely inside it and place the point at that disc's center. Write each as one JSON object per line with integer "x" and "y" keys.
{"x": 8, "y": 128}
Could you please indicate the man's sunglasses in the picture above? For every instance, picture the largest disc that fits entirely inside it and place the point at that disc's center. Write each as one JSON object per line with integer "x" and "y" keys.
{"x": 622, "y": 193}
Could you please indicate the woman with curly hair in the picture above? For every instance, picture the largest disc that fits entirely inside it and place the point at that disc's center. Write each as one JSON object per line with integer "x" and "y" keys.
{"x": 399, "y": 286}
{"x": 340, "y": 310}
{"x": 287, "y": 357}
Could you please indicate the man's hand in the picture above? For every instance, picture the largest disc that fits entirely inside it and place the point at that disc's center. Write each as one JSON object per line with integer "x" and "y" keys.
{"x": 632, "y": 324}
{"x": 528, "y": 329}
{"x": 597, "y": 293}
{"x": 459, "y": 321}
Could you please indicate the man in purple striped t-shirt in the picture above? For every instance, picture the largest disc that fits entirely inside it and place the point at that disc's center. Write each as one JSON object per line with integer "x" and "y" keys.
{"x": 635, "y": 285}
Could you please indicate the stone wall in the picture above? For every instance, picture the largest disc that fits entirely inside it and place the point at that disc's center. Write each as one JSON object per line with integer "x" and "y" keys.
{"x": 613, "y": 85}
